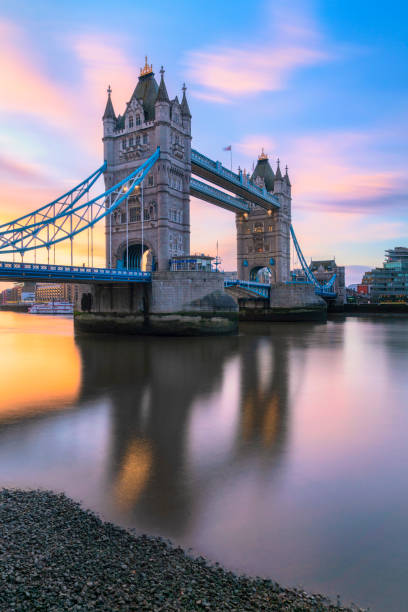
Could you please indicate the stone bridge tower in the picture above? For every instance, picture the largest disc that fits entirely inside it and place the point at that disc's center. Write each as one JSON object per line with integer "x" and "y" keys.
{"x": 150, "y": 120}
{"x": 263, "y": 237}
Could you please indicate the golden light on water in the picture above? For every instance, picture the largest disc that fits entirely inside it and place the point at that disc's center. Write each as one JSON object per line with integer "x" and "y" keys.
{"x": 40, "y": 368}
{"x": 133, "y": 474}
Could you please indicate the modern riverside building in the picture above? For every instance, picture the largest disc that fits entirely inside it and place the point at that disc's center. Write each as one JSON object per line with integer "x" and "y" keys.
{"x": 58, "y": 292}
{"x": 389, "y": 283}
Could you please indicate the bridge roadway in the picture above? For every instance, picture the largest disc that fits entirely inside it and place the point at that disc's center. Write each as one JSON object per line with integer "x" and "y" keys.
{"x": 216, "y": 173}
{"x": 52, "y": 273}
{"x": 20, "y": 272}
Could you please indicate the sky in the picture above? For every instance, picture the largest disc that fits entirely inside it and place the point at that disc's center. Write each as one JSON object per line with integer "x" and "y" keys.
{"x": 321, "y": 84}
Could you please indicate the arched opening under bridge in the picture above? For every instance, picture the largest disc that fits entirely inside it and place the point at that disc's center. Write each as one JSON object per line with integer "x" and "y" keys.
{"x": 261, "y": 274}
{"x": 137, "y": 258}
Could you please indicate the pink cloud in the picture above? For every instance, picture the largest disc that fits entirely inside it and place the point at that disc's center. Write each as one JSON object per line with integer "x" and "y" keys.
{"x": 224, "y": 72}
{"x": 13, "y": 170}
{"x": 25, "y": 88}
{"x": 210, "y": 223}
{"x": 252, "y": 145}
{"x": 103, "y": 62}
{"x": 342, "y": 170}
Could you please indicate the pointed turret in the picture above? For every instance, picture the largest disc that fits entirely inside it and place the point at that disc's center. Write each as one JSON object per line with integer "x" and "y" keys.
{"x": 264, "y": 171}
{"x": 109, "y": 112}
{"x": 278, "y": 175}
{"x": 162, "y": 95}
{"x": 185, "y": 111}
{"x": 286, "y": 177}
{"x": 109, "y": 126}
{"x": 162, "y": 103}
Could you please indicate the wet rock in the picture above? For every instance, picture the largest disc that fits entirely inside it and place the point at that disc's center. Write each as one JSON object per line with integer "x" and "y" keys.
{"x": 56, "y": 556}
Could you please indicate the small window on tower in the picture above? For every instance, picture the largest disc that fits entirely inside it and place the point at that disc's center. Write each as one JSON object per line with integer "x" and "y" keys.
{"x": 137, "y": 119}
{"x": 130, "y": 122}
{"x": 150, "y": 181}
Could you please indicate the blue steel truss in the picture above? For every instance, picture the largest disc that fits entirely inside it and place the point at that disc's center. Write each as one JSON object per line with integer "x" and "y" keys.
{"x": 242, "y": 186}
{"x": 71, "y": 219}
{"x": 65, "y": 217}
{"x": 325, "y": 290}
{"x": 65, "y": 202}
{"x": 69, "y": 274}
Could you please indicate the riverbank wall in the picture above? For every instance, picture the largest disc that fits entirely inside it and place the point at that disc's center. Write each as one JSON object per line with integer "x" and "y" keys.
{"x": 288, "y": 302}
{"x": 14, "y": 307}
{"x": 368, "y": 309}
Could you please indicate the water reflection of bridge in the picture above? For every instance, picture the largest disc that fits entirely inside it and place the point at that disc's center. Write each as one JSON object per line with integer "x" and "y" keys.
{"x": 163, "y": 458}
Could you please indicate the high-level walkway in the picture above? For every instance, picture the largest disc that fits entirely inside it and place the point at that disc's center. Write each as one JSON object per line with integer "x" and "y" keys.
{"x": 240, "y": 185}
{"x": 210, "y": 194}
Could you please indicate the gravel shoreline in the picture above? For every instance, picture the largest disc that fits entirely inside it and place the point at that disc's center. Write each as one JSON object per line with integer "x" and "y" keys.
{"x": 55, "y": 556}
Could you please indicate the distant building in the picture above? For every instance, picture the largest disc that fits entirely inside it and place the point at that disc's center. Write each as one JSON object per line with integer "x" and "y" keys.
{"x": 323, "y": 271}
{"x": 28, "y": 292}
{"x": 363, "y": 289}
{"x": 56, "y": 292}
{"x": 389, "y": 283}
{"x": 12, "y": 295}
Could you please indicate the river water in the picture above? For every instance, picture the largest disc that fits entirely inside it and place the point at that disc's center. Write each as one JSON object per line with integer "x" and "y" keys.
{"x": 281, "y": 452}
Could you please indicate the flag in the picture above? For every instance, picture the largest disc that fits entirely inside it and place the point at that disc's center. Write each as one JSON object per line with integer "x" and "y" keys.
{"x": 229, "y": 148}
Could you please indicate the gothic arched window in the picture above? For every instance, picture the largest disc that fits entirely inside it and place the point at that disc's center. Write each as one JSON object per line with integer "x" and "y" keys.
{"x": 137, "y": 119}
{"x": 130, "y": 121}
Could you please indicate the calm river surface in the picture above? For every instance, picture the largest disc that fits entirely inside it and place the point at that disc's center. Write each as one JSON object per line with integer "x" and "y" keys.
{"x": 281, "y": 452}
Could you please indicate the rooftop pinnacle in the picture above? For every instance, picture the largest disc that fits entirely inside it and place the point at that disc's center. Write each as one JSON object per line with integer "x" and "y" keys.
{"x": 109, "y": 112}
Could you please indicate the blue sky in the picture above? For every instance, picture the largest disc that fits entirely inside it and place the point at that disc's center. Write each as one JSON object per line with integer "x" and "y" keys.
{"x": 320, "y": 84}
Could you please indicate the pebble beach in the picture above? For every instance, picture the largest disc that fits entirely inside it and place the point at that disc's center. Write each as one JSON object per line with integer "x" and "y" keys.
{"x": 56, "y": 556}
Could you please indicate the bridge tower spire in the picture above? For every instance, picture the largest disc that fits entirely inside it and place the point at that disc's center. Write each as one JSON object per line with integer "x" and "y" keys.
{"x": 154, "y": 224}
{"x": 263, "y": 238}
{"x": 109, "y": 123}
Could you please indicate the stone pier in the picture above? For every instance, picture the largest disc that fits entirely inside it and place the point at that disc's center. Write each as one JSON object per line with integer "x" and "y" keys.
{"x": 173, "y": 304}
{"x": 288, "y": 302}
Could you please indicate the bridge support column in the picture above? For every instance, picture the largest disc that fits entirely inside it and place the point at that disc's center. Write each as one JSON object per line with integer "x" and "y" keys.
{"x": 287, "y": 302}
{"x": 174, "y": 304}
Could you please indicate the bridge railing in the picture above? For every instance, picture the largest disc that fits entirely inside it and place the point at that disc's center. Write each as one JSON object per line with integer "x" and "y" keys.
{"x": 262, "y": 289}
{"x": 75, "y": 272}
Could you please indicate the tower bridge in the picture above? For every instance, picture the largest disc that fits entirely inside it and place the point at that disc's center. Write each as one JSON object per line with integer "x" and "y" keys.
{"x": 147, "y": 171}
